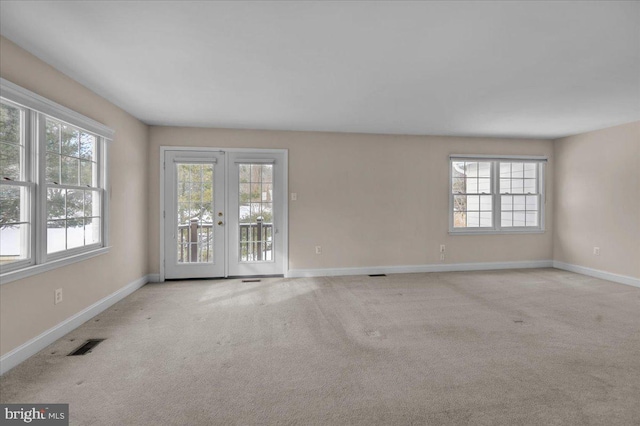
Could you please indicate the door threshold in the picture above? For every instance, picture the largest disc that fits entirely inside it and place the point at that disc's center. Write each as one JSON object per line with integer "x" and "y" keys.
{"x": 237, "y": 277}
{"x": 194, "y": 279}
{"x": 234, "y": 277}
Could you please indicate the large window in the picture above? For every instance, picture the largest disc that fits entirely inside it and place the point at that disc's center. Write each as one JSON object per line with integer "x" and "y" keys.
{"x": 73, "y": 191}
{"x": 52, "y": 184}
{"x": 15, "y": 188}
{"x": 489, "y": 195}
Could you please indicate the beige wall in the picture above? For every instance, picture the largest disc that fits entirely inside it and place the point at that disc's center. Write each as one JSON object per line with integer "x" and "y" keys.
{"x": 26, "y": 306}
{"x": 597, "y": 193}
{"x": 368, "y": 200}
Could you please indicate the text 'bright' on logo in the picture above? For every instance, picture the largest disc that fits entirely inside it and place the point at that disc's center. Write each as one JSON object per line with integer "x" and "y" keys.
{"x": 37, "y": 414}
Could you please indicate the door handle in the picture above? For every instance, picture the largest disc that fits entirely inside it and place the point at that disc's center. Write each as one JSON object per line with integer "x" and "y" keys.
{"x": 220, "y": 223}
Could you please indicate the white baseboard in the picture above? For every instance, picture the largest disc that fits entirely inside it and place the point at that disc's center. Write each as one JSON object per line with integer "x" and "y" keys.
{"x": 410, "y": 269}
{"x": 622, "y": 279}
{"x": 35, "y": 345}
{"x": 154, "y": 278}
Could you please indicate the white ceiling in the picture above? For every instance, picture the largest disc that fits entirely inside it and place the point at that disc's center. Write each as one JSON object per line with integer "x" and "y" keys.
{"x": 524, "y": 69}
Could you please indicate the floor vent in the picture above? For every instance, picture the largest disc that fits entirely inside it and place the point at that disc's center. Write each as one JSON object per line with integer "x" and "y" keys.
{"x": 378, "y": 275}
{"x": 251, "y": 281}
{"x": 86, "y": 347}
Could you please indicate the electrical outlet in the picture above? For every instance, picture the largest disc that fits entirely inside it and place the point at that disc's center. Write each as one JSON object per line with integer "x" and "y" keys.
{"x": 294, "y": 196}
{"x": 57, "y": 298}
{"x": 596, "y": 251}
{"x": 318, "y": 249}
{"x": 442, "y": 248}
{"x": 442, "y": 256}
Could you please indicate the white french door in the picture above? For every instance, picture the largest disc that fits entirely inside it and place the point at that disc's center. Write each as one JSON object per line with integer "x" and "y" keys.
{"x": 224, "y": 213}
{"x": 194, "y": 214}
{"x": 255, "y": 213}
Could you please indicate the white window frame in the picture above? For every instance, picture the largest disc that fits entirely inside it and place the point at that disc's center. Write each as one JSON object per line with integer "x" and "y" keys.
{"x": 36, "y": 110}
{"x": 496, "y": 227}
{"x": 26, "y": 181}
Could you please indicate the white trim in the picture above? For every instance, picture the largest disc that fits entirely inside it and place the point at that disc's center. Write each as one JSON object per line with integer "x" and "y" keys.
{"x": 31, "y": 100}
{"x": 162, "y": 212}
{"x": 412, "y": 269}
{"x": 285, "y": 214}
{"x": 542, "y": 189}
{"x": 40, "y": 224}
{"x": 195, "y": 160}
{"x": 154, "y": 278}
{"x": 19, "y": 183}
{"x": 35, "y": 345}
{"x": 603, "y": 275}
{"x": 227, "y": 257}
{"x": 44, "y": 267}
{"x": 72, "y": 187}
{"x": 527, "y": 158}
{"x": 255, "y": 160}
{"x": 106, "y": 193}
{"x": 63, "y": 254}
{"x": 491, "y": 231}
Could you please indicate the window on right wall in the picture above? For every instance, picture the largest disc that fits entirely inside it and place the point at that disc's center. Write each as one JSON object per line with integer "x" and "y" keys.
{"x": 496, "y": 194}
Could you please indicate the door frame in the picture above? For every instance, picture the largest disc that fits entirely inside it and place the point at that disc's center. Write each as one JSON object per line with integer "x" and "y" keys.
{"x": 285, "y": 198}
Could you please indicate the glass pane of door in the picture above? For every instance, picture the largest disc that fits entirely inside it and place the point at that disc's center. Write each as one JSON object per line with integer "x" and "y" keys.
{"x": 255, "y": 212}
{"x": 195, "y": 201}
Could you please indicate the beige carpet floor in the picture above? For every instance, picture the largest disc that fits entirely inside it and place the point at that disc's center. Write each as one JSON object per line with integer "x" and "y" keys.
{"x": 521, "y": 347}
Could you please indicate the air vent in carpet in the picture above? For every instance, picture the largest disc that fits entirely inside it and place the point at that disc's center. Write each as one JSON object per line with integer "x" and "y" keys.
{"x": 250, "y": 281}
{"x": 378, "y": 275}
{"x": 86, "y": 347}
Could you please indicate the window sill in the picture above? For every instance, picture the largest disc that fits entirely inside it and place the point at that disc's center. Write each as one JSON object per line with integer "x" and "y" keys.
{"x": 49, "y": 266}
{"x": 496, "y": 232}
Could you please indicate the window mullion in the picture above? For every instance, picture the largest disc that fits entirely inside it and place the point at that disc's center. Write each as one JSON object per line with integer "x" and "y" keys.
{"x": 103, "y": 183}
{"x": 542, "y": 197}
{"x": 29, "y": 165}
{"x": 76, "y": 187}
{"x": 27, "y": 205}
{"x": 451, "y": 196}
{"x": 497, "y": 202}
{"x": 41, "y": 187}
{"x": 23, "y": 184}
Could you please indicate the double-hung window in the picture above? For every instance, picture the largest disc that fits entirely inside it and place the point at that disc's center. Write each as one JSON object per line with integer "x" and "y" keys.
{"x": 53, "y": 184}
{"x": 496, "y": 194}
{"x": 16, "y": 188}
{"x": 73, "y": 188}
